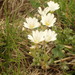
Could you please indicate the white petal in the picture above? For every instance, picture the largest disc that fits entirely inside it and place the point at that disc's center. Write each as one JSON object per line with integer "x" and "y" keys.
{"x": 30, "y": 38}
{"x": 26, "y": 25}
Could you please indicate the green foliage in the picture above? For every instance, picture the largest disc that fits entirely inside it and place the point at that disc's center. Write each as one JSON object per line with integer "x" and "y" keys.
{"x": 40, "y": 57}
{"x": 35, "y": 3}
{"x": 58, "y": 51}
{"x": 38, "y": 3}
{"x": 65, "y": 36}
{"x": 10, "y": 55}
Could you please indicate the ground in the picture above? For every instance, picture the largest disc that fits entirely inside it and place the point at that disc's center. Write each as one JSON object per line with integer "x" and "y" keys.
{"x": 15, "y": 46}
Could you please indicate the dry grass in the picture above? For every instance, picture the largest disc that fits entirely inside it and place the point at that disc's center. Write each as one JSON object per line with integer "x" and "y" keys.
{"x": 18, "y": 7}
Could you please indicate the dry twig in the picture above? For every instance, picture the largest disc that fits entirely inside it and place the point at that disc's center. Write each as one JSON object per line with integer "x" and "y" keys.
{"x": 65, "y": 59}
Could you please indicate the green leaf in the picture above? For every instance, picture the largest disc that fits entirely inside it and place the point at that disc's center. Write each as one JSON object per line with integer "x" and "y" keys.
{"x": 58, "y": 51}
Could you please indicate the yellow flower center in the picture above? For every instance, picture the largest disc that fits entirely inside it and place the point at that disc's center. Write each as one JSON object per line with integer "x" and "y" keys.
{"x": 31, "y": 26}
{"x": 47, "y": 23}
{"x": 36, "y": 41}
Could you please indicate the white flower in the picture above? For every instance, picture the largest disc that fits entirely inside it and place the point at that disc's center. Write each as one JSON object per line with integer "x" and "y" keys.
{"x": 44, "y": 11}
{"x": 36, "y": 37}
{"x": 31, "y": 23}
{"x": 49, "y": 35}
{"x": 53, "y": 6}
{"x": 48, "y": 20}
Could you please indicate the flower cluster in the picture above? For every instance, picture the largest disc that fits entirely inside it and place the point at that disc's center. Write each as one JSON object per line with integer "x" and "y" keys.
{"x": 42, "y": 34}
{"x": 47, "y": 19}
{"x": 39, "y": 36}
